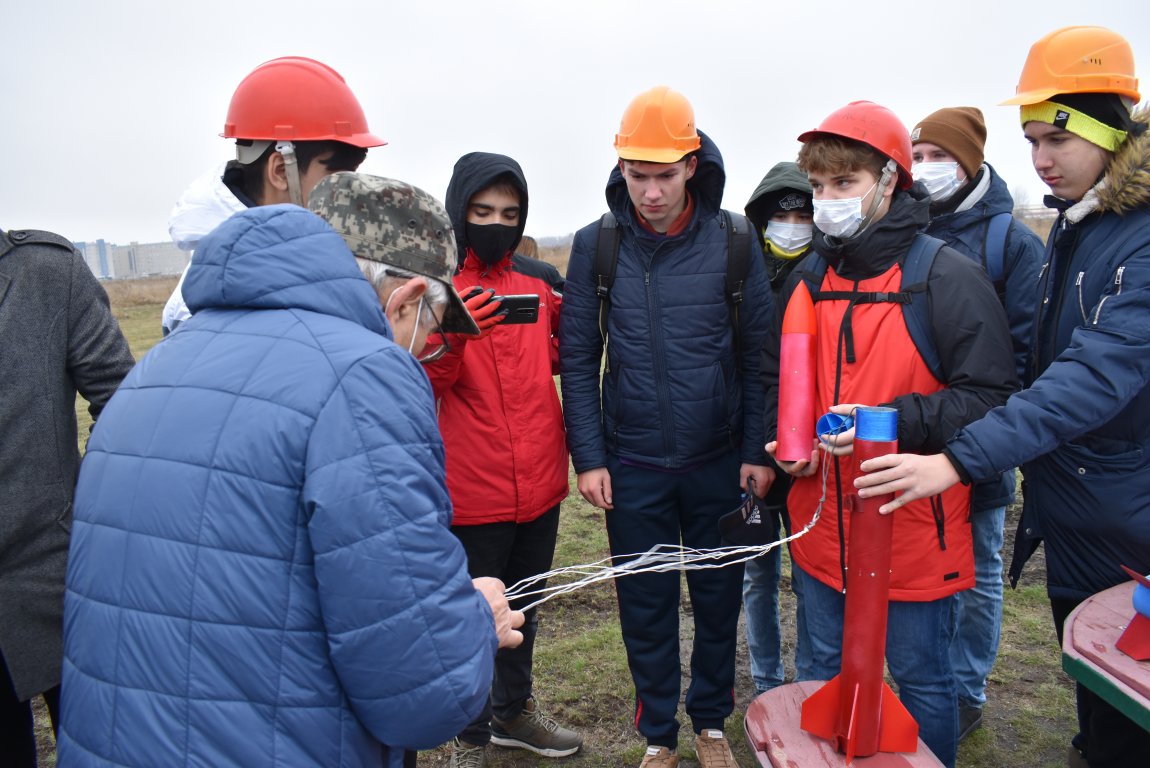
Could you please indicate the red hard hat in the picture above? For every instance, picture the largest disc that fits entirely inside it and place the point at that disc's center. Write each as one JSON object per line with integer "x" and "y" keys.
{"x": 873, "y": 125}
{"x": 297, "y": 99}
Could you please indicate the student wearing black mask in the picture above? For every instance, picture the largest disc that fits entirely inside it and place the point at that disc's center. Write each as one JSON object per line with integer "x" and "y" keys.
{"x": 502, "y": 428}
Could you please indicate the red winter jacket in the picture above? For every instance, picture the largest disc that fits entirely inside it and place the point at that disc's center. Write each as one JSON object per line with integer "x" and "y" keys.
{"x": 931, "y": 547}
{"x": 499, "y": 410}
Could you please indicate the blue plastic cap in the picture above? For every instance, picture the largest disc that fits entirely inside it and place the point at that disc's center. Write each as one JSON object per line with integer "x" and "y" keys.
{"x": 878, "y": 425}
{"x": 833, "y": 424}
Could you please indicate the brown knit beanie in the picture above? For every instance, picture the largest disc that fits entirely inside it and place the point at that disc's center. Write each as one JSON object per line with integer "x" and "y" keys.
{"x": 961, "y": 131}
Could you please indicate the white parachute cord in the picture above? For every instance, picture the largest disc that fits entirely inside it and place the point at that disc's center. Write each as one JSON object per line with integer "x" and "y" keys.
{"x": 659, "y": 559}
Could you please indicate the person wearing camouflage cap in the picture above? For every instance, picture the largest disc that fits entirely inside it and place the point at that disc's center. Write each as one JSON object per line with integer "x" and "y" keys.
{"x": 395, "y": 230}
{"x": 262, "y": 569}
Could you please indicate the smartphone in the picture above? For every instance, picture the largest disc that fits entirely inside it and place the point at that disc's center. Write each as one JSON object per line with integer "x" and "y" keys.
{"x": 520, "y": 308}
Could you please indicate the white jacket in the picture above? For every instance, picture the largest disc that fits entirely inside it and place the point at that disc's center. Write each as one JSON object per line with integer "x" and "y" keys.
{"x": 205, "y": 204}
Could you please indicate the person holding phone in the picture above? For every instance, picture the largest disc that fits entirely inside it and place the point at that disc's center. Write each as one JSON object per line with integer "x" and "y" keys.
{"x": 503, "y": 430}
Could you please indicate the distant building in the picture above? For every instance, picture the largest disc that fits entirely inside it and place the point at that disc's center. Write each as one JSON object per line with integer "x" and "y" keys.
{"x": 125, "y": 262}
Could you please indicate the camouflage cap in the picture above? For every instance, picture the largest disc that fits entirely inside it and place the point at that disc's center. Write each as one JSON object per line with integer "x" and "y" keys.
{"x": 394, "y": 223}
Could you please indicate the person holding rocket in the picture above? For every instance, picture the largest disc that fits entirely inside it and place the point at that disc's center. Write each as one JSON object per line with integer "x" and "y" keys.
{"x": 1081, "y": 428}
{"x": 868, "y": 219}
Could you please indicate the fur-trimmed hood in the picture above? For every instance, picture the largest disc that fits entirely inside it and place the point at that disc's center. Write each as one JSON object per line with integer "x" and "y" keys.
{"x": 1126, "y": 183}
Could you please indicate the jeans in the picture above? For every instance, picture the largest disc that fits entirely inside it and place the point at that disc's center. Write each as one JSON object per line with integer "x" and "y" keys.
{"x": 761, "y": 612}
{"x": 975, "y": 643}
{"x": 511, "y": 552}
{"x": 918, "y": 637}
{"x": 761, "y": 609}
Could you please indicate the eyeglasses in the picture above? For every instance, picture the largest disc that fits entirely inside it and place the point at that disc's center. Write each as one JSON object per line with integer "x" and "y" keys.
{"x": 433, "y": 351}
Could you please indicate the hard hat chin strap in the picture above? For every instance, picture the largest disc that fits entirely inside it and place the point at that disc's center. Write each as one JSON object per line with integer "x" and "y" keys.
{"x": 291, "y": 171}
{"x": 888, "y": 170}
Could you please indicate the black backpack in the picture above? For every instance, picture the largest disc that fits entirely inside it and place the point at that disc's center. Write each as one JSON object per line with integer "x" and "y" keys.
{"x": 606, "y": 258}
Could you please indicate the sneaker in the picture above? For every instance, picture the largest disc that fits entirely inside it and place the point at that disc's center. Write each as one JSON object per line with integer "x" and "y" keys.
{"x": 969, "y": 719}
{"x": 464, "y": 755}
{"x": 534, "y": 731}
{"x": 659, "y": 757}
{"x": 713, "y": 751}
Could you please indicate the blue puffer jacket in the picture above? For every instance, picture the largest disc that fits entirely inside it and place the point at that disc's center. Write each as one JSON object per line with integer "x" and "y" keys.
{"x": 964, "y": 228}
{"x": 261, "y": 571}
{"x": 673, "y": 393}
{"x": 1081, "y": 430}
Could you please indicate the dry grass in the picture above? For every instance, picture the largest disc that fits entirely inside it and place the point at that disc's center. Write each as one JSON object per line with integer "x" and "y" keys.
{"x": 146, "y": 291}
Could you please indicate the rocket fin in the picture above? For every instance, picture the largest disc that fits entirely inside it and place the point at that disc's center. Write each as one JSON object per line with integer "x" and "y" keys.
{"x": 821, "y": 710}
{"x": 897, "y": 730}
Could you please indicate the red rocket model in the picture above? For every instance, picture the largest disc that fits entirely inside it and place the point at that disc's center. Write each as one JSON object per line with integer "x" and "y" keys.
{"x": 796, "y": 425}
{"x": 856, "y": 709}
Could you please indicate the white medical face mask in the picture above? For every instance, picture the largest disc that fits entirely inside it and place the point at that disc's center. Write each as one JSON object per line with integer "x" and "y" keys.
{"x": 840, "y": 218}
{"x": 788, "y": 237}
{"x": 940, "y": 179}
{"x": 414, "y": 326}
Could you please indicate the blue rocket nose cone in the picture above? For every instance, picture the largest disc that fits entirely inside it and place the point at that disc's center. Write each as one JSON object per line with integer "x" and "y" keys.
{"x": 879, "y": 425}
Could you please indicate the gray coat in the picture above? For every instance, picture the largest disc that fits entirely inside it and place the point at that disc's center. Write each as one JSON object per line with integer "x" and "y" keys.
{"x": 57, "y": 337}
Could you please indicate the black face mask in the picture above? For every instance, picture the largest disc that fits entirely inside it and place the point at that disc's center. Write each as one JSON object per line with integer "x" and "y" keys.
{"x": 491, "y": 242}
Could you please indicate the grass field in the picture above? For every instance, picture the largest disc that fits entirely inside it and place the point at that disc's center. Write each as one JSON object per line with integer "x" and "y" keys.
{"x": 581, "y": 671}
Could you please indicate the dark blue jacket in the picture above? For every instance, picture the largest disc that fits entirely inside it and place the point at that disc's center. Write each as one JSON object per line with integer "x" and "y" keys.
{"x": 964, "y": 227}
{"x": 673, "y": 393}
{"x": 261, "y": 571}
{"x": 1081, "y": 430}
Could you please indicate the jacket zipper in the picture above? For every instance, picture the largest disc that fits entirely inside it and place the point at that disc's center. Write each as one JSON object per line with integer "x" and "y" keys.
{"x": 1117, "y": 292}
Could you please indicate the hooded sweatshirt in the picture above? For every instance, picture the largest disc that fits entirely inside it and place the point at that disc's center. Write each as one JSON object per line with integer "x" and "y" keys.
{"x": 203, "y": 206}
{"x": 499, "y": 412}
{"x": 783, "y": 176}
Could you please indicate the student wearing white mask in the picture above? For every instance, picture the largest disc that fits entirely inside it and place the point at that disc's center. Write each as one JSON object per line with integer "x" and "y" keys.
{"x": 780, "y": 212}
{"x": 869, "y": 217}
{"x": 971, "y": 210}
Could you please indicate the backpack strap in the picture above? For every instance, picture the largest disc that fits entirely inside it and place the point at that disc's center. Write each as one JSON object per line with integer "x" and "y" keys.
{"x": 916, "y": 312}
{"x": 604, "y": 263}
{"x": 738, "y": 267}
{"x": 994, "y": 249}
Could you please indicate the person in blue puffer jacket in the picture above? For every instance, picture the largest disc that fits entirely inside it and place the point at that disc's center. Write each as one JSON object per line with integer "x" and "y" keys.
{"x": 1080, "y": 430}
{"x": 678, "y": 429}
{"x": 261, "y": 570}
{"x": 971, "y": 210}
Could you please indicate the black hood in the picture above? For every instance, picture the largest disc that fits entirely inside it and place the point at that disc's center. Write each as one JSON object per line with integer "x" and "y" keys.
{"x": 883, "y": 242}
{"x": 475, "y": 172}
{"x": 706, "y": 186}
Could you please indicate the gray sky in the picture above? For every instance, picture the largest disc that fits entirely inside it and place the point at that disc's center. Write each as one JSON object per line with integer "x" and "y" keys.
{"x": 112, "y": 107}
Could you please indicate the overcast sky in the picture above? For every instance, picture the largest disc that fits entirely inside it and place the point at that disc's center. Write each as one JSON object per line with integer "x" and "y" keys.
{"x": 111, "y": 107}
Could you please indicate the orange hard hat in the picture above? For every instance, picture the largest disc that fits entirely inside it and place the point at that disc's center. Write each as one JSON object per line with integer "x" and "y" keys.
{"x": 1077, "y": 60}
{"x": 873, "y": 125}
{"x": 658, "y": 127}
{"x": 297, "y": 99}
